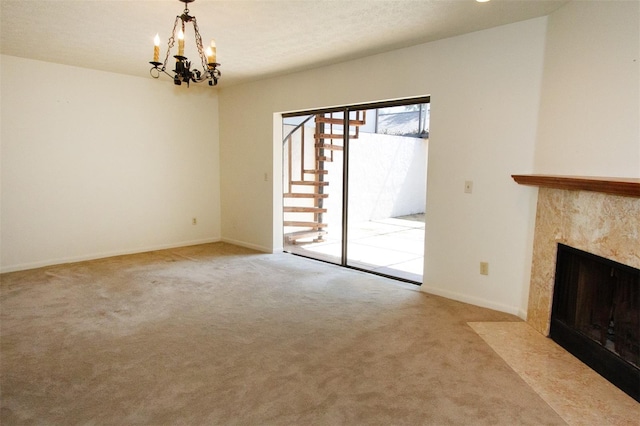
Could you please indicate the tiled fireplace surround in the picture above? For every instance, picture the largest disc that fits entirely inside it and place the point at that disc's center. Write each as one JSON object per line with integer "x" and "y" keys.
{"x": 597, "y": 222}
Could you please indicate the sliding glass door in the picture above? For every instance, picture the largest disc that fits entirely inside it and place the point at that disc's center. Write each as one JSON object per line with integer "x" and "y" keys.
{"x": 355, "y": 186}
{"x": 387, "y": 192}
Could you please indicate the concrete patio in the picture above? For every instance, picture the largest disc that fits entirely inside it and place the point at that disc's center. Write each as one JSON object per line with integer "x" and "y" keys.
{"x": 391, "y": 246}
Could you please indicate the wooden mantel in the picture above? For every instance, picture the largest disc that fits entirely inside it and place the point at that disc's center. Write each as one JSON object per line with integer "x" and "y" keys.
{"x": 628, "y": 187}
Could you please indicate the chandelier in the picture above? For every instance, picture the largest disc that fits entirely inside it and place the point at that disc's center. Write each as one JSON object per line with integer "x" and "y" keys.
{"x": 183, "y": 71}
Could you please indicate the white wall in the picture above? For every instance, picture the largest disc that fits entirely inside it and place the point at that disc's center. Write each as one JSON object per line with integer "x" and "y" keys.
{"x": 590, "y": 105}
{"x": 484, "y": 90}
{"x": 95, "y": 164}
{"x": 387, "y": 176}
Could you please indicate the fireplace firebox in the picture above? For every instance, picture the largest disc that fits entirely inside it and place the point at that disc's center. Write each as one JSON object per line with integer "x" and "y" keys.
{"x": 596, "y": 315}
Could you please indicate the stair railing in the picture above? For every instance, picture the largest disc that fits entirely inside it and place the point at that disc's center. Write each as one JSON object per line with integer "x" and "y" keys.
{"x": 289, "y": 138}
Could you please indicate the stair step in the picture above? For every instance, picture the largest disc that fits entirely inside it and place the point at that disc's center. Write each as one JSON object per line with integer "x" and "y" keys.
{"x": 330, "y": 146}
{"x": 313, "y": 225}
{"x": 299, "y": 195}
{"x": 309, "y": 183}
{"x": 288, "y": 209}
{"x": 328, "y": 136}
{"x": 293, "y": 236}
{"x": 333, "y": 136}
{"x": 316, "y": 172}
{"x": 327, "y": 159}
{"x": 339, "y": 121}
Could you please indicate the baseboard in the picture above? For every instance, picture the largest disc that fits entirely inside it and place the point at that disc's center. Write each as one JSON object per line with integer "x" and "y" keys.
{"x": 522, "y": 314}
{"x": 102, "y": 255}
{"x": 483, "y": 303}
{"x": 247, "y": 245}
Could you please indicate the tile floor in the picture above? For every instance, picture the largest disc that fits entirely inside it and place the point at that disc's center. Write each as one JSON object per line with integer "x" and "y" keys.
{"x": 577, "y": 393}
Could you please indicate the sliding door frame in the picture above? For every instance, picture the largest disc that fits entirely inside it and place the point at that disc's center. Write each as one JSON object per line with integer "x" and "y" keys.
{"x": 346, "y": 110}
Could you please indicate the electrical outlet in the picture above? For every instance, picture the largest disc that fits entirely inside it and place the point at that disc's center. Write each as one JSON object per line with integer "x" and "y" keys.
{"x": 194, "y": 221}
{"x": 468, "y": 186}
{"x": 484, "y": 268}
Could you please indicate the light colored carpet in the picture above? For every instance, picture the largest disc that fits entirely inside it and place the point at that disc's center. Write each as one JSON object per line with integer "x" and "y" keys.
{"x": 217, "y": 334}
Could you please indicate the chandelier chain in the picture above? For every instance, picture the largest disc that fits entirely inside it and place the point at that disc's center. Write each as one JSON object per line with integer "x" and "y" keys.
{"x": 203, "y": 58}
{"x": 172, "y": 41}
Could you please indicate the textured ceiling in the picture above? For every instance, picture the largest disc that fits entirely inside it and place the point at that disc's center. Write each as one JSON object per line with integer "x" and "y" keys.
{"x": 255, "y": 38}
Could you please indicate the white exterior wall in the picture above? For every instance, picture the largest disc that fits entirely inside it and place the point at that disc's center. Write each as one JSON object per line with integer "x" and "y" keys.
{"x": 387, "y": 176}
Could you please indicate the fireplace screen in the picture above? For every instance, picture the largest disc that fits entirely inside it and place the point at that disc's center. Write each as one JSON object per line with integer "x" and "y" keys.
{"x": 596, "y": 315}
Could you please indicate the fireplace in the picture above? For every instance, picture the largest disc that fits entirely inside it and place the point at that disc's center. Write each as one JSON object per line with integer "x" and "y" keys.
{"x": 595, "y": 215}
{"x": 596, "y": 315}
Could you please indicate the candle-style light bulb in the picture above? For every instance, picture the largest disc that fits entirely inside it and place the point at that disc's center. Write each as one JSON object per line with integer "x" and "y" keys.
{"x": 180, "y": 42}
{"x": 211, "y": 57}
{"x": 156, "y": 48}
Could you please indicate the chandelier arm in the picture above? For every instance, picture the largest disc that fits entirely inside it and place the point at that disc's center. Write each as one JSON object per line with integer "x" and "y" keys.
{"x": 161, "y": 70}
